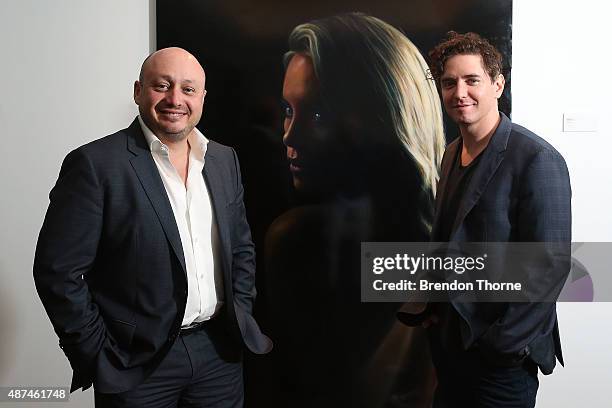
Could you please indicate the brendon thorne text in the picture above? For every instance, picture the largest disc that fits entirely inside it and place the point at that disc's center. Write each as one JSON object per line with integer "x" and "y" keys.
{"x": 425, "y": 285}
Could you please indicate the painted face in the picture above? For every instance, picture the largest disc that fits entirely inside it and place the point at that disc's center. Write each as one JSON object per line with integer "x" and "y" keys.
{"x": 469, "y": 95}
{"x": 171, "y": 96}
{"x": 314, "y": 150}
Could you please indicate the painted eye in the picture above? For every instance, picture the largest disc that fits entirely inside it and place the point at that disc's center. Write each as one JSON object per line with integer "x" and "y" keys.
{"x": 317, "y": 117}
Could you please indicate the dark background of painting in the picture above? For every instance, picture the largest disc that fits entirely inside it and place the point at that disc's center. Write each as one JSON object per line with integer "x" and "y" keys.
{"x": 240, "y": 43}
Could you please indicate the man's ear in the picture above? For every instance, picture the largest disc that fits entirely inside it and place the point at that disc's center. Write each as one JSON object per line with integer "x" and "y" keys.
{"x": 499, "y": 83}
{"x": 137, "y": 91}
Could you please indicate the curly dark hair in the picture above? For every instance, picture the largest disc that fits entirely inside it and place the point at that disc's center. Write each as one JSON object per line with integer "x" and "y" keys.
{"x": 462, "y": 44}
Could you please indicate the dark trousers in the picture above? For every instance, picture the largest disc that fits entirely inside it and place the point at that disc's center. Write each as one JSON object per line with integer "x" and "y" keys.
{"x": 472, "y": 379}
{"x": 488, "y": 387}
{"x": 200, "y": 370}
{"x": 468, "y": 379}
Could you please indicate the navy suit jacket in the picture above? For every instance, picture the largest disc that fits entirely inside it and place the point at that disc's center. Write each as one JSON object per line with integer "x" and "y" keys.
{"x": 109, "y": 265}
{"x": 519, "y": 192}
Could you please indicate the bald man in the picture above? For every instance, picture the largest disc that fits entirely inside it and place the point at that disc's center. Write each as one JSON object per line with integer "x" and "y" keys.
{"x": 145, "y": 263}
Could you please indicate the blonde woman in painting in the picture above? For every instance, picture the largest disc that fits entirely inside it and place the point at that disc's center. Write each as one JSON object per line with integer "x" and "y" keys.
{"x": 364, "y": 138}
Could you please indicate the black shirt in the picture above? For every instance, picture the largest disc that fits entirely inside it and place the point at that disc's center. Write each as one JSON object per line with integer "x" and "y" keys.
{"x": 449, "y": 333}
{"x": 458, "y": 180}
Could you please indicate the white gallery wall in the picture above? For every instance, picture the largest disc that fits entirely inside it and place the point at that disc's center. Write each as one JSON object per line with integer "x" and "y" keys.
{"x": 67, "y": 70}
{"x": 561, "y": 58}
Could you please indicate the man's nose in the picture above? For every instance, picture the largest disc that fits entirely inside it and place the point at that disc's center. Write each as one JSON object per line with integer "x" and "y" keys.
{"x": 460, "y": 90}
{"x": 173, "y": 96}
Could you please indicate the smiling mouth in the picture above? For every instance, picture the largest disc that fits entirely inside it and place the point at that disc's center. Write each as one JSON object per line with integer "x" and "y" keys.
{"x": 172, "y": 115}
{"x": 467, "y": 105}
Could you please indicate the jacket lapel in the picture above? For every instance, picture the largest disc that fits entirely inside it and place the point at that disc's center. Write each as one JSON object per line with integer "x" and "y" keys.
{"x": 447, "y": 165}
{"x": 492, "y": 157}
{"x": 213, "y": 179}
{"x": 149, "y": 177}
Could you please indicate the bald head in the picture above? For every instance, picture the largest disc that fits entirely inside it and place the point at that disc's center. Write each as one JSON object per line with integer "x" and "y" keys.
{"x": 171, "y": 52}
{"x": 170, "y": 93}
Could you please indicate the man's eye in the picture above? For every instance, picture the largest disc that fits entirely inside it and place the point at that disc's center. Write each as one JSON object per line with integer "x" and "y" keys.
{"x": 161, "y": 87}
{"x": 189, "y": 90}
{"x": 317, "y": 117}
{"x": 288, "y": 112}
{"x": 447, "y": 85}
{"x": 472, "y": 81}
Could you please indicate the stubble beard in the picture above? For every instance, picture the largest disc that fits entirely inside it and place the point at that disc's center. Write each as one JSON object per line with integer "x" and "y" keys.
{"x": 176, "y": 137}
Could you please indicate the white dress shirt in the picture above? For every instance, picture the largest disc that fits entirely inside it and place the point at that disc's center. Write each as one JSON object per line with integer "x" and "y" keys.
{"x": 192, "y": 210}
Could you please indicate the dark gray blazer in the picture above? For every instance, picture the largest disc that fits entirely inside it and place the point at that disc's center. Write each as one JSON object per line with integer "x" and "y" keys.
{"x": 109, "y": 265}
{"x": 520, "y": 192}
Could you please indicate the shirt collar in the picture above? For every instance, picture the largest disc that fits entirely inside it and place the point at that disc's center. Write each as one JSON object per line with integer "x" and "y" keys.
{"x": 197, "y": 141}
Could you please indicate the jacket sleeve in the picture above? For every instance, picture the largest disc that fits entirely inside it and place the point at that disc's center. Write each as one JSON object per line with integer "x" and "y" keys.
{"x": 544, "y": 217}
{"x": 243, "y": 249}
{"x": 65, "y": 252}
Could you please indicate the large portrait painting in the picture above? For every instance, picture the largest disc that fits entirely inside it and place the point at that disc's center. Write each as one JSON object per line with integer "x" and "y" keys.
{"x": 339, "y": 130}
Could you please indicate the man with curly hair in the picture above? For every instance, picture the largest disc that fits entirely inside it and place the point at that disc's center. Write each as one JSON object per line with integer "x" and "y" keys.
{"x": 499, "y": 183}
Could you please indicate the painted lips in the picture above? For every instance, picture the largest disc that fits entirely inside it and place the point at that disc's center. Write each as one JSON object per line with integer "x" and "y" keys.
{"x": 295, "y": 166}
